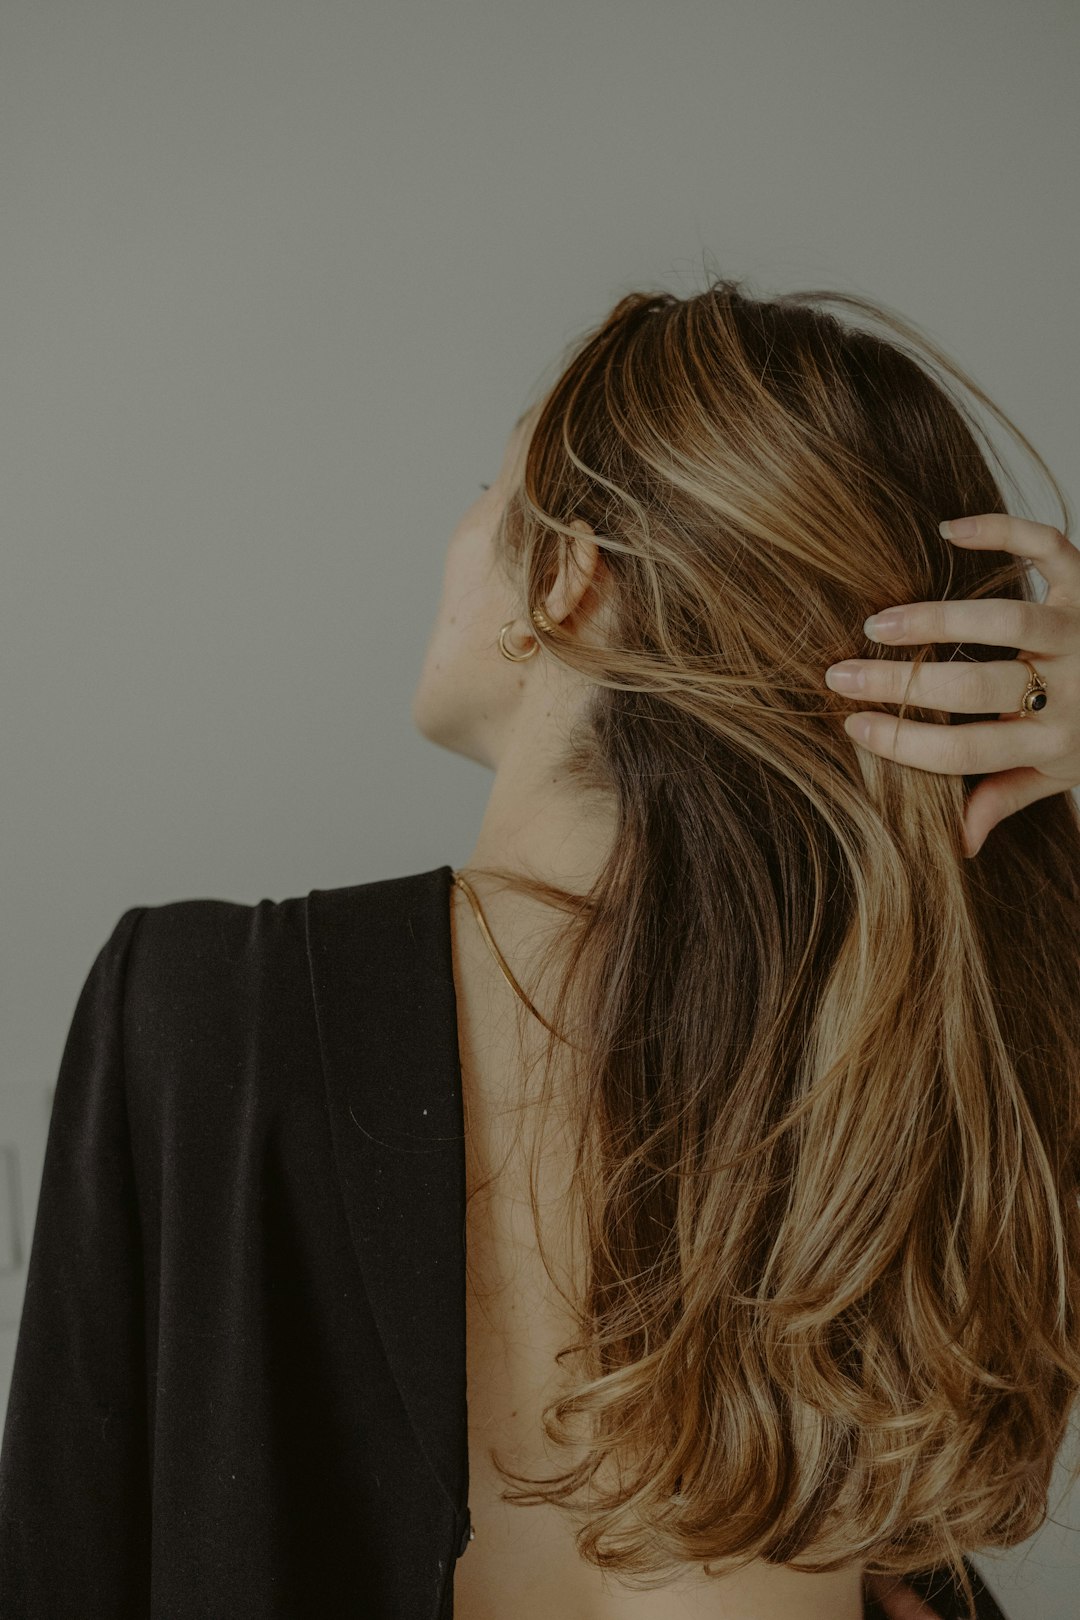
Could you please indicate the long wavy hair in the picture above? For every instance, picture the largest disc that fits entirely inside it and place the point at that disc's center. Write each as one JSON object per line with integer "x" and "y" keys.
{"x": 825, "y": 1070}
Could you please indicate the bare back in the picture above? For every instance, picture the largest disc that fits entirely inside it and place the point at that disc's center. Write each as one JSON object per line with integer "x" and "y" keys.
{"x": 523, "y": 1560}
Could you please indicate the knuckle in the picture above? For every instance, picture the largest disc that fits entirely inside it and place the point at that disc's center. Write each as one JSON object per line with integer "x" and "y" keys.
{"x": 1028, "y": 624}
{"x": 1054, "y": 740}
{"x": 956, "y": 753}
{"x": 982, "y": 692}
{"x": 1017, "y": 624}
{"x": 957, "y": 684}
{"x": 996, "y": 525}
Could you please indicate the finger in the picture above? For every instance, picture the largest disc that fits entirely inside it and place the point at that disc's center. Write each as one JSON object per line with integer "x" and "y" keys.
{"x": 1054, "y": 555}
{"x": 998, "y": 797}
{"x": 962, "y": 686}
{"x": 899, "y": 1600}
{"x": 990, "y": 621}
{"x": 990, "y": 745}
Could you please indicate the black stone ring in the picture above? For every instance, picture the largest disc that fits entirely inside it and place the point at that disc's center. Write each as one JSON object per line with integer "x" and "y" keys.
{"x": 1034, "y": 697}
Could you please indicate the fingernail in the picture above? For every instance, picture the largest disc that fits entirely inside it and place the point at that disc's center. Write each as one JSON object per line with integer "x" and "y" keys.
{"x": 881, "y": 624}
{"x": 858, "y": 726}
{"x": 845, "y": 677}
{"x": 958, "y": 528}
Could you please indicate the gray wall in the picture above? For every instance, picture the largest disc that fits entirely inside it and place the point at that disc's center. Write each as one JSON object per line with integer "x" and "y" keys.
{"x": 277, "y": 278}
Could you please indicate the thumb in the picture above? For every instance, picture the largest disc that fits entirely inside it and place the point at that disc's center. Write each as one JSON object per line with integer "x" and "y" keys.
{"x": 998, "y": 796}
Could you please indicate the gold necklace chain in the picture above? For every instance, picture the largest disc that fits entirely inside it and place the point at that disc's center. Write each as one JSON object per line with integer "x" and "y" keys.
{"x": 464, "y": 884}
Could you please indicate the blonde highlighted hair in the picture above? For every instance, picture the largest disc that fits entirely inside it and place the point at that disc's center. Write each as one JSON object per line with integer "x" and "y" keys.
{"x": 826, "y": 1070}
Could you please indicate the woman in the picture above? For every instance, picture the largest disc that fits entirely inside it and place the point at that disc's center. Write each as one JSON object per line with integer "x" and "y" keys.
{"x": 826, "y": 1100}
{"x": 715, "y": 1127}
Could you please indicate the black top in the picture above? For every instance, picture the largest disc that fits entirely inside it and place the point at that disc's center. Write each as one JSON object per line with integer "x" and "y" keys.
{"x": 239, "y": 1382}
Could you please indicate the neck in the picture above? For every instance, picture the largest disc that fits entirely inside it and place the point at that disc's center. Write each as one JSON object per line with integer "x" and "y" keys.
{"x": 541, "y": 823}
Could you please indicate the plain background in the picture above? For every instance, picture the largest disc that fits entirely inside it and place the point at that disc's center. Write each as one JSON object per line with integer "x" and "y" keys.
{"x": 276, "y": 280}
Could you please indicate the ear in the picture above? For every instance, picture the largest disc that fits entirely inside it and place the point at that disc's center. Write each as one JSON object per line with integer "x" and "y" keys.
{"x": 581, "y": 571}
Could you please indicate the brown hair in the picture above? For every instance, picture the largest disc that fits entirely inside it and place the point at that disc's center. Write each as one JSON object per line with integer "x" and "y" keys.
{"x": 828, "y": 1082}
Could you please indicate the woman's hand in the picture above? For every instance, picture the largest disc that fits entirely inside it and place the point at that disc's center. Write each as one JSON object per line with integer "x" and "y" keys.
{"x": 1027, "y": 761}
{"x": 899, "y": 1600}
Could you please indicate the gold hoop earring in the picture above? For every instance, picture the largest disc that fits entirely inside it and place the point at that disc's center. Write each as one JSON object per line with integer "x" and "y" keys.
{"x": 515, "y": 657}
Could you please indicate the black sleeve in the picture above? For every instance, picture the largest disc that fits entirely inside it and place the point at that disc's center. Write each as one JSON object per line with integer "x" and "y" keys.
{"x": 74, "y": 1485}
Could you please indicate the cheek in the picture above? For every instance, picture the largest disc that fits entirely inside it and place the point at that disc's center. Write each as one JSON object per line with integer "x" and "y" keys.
{"x": 474, "y": 599}
{"x": 461, "y": 689}
{"x": 467, "y": 622}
